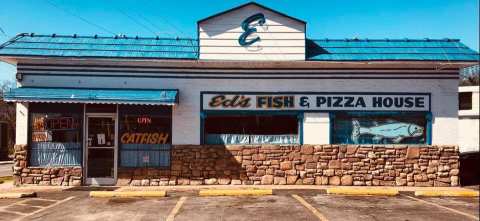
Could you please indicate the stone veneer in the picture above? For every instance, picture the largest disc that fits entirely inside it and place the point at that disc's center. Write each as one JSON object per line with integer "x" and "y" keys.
{"x": 57, "y": 176}
{"x": 358, "y": 165}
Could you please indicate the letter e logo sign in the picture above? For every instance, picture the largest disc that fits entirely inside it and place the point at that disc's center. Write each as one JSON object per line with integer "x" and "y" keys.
{"x": 246, "y": 26}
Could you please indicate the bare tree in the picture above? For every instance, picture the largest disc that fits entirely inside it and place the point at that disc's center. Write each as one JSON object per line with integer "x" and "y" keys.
{"x": 470, "y": 76}
{"x": 471, "y": 80}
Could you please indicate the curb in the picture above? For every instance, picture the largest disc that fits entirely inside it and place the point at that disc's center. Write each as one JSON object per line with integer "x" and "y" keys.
{"x": 6, "y": 162}
{"x": 460, "y": 193}
{"x": 111, "y": 194}
{"x": 363, "y": 191}
{"x": 17, "y": 195}
{"x": 250, "y": 192}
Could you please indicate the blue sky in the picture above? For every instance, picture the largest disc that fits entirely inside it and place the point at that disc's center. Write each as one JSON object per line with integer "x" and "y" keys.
{"x": 325, "y": 18}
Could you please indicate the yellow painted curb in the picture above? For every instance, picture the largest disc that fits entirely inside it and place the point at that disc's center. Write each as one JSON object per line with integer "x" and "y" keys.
{"x": 249, "y": 192}
{"x": 109, "y": 194}
{"x": 17, "y": 195}
{"x": 462, "y": 193}
{"x": 362, "y": 191}
{"x": 4, "y": 179}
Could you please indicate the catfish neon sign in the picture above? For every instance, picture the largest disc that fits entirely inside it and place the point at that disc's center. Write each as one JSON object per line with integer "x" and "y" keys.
{"x": 248, "y": 29}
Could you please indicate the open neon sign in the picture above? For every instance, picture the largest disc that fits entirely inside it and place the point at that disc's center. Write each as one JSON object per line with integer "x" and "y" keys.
{"x": 144, "y": 120}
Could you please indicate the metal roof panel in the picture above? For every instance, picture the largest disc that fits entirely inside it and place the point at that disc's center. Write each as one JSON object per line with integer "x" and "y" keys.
{"x": 113, "y": 47}
{"x": 92, "y": 95}
{"x": 389, "y": 49}
{"x": 30, "y": 45}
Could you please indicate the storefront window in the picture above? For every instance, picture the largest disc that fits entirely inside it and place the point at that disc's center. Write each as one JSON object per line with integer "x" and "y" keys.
{"x": 145, "y": 136}
{"x": 376, "y": 128}
{"x": 251, "y": 129}
{"x": 56, "y": 138}
{"x": 465, "y": 100}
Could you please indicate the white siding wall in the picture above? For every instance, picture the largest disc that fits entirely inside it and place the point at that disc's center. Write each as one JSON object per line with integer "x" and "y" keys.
{"x": 281, "y": 38}
{"x": 186, "y": 116}
{"x": 469, "y": 123}
{"x": 468, "y": 134}
{"x": 21, "y": 135}
{"x": 316, "y": 127}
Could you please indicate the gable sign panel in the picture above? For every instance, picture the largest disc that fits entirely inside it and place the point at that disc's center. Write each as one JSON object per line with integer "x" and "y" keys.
{"x": 251, "y": 32}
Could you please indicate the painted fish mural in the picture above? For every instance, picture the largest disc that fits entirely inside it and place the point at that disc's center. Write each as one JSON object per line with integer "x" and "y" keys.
{"x": 393, "y": 130}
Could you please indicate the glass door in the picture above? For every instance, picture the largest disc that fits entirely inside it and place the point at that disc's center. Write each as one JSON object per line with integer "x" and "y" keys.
{"x": 101, "y": 151}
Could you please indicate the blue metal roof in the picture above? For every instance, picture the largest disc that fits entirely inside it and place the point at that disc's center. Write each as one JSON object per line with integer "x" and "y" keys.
{"x": 171, "y": 48}
{"x": 102, "y": 47}
{"x": 388, "y": 49}
{"x": 88, "y": 95}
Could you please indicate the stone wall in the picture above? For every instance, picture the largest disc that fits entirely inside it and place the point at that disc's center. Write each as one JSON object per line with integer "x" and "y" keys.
{"x": 57, "y": 176}
{"x": 358, "y": 165}
{"x": 364, "y": 165}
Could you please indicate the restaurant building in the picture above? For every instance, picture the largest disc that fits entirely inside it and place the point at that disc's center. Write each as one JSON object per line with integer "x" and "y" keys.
{"x": 253, "y": 100}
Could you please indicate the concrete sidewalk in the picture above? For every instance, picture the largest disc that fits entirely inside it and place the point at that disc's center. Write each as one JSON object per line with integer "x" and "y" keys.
{"x": 8, "y": 187}
{"x": 9, "y": 191}
{"x": 346, "y": 190}
{"x": 282, "y": 187}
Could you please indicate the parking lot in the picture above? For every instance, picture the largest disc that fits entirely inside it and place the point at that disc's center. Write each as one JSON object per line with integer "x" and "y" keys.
{"x": 283, "y": 205}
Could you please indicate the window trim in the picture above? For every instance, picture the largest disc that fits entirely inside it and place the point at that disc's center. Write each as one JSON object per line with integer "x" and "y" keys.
{"x": 428, "y": 121}
{"x": 41, "y": 108}
{"x": 205, "y": 113}
{"x": 121, "y": 112}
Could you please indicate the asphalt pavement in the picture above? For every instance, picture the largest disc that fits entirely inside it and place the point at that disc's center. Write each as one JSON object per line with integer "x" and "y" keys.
{"x": 6, "y": 169}
{"x": 286, "y": 205}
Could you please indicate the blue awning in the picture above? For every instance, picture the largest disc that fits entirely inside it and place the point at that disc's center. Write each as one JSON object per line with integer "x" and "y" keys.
{"x": 93, "y": 96}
